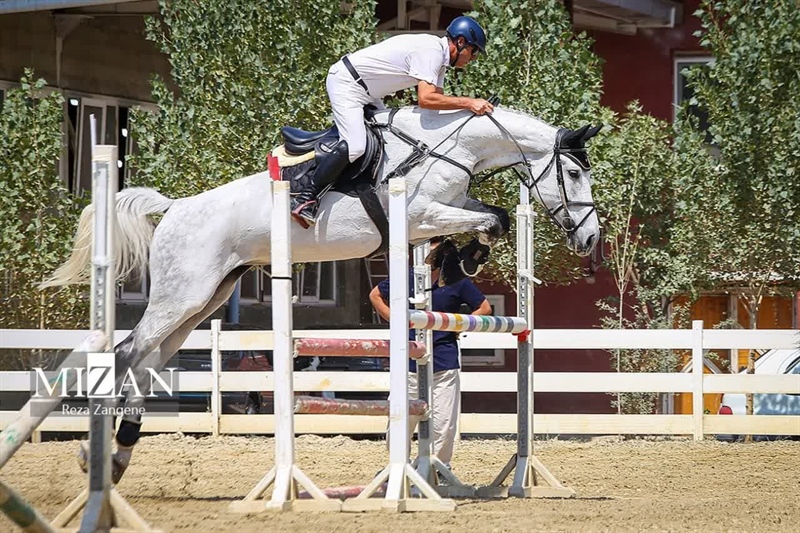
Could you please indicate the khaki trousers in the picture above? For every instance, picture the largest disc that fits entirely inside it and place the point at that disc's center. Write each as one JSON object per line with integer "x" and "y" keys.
{"x": 446, "y": 408}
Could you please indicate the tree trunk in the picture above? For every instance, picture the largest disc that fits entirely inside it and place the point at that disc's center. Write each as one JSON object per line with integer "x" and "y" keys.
{"x": 753, "y": 304}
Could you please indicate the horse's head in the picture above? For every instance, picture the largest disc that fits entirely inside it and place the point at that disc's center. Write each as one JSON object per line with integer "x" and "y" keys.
{"x": 564, "y": 188}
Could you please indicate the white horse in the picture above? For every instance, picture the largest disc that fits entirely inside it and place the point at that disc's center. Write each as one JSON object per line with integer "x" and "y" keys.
{"x": 204, "y": 243}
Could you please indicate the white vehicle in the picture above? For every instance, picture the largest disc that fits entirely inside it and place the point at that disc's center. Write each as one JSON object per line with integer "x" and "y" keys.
{"x": 774, "y": 362}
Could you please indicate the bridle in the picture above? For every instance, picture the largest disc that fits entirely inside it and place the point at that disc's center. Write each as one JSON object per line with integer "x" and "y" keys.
{"x": 421, "y": 152}
{"x": 566, "y": 223}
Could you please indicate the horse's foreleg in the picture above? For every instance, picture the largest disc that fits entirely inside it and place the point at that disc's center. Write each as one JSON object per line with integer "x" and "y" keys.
{"x": 489, "y": 222}
{"x": 502, "y": 217}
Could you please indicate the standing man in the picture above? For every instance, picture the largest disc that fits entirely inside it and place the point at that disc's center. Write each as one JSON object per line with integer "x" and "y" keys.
{"x": 368, "y": 75}
{"x": 450, "y": 290}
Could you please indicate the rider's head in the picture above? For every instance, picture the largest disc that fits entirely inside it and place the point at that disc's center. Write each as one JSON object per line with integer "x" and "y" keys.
{"x": 467, "y": 40}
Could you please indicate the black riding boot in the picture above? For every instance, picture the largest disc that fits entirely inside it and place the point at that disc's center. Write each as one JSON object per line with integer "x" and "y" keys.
{"x": 329, "y": 169}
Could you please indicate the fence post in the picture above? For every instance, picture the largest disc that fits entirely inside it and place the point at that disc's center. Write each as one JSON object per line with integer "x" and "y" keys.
{"x": 698, "y": 365}
{"x": 216, "y": 361}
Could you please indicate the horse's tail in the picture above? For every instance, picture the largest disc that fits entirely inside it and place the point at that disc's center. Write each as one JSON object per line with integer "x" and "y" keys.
{"x": 132, "y": 236}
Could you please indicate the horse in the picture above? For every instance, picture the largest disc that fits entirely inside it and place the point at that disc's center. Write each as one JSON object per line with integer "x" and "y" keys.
{"x": 203, "y": 244}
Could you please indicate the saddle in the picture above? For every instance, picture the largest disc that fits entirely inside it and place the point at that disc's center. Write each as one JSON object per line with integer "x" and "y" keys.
{"x": 302, "y": 151}
{"x": 297, "y": 164}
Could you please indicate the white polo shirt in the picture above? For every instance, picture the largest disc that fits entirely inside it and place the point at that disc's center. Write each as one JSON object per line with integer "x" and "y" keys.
{"x": 402, "y": 61}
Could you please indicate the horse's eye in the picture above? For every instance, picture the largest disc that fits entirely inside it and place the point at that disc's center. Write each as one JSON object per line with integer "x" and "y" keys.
{"x": 574, "y": 174}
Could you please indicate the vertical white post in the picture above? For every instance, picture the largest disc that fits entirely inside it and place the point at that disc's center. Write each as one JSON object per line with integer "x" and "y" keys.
{"x": 698, "y": 365}
{"x": 285, "y": 477}
{"x": 422, "y": 283}
{"x": 281, "y": 261}
{"x": 398, "y": 488}
{"x": 98, "y": 514}
{"x": 216, "y": 361}
{"x": 523, "y": 473}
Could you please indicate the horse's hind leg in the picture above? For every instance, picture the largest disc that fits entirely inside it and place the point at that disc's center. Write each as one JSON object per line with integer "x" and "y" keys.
{"x": 130, "y": 425}
{"x": 177, "y": 295}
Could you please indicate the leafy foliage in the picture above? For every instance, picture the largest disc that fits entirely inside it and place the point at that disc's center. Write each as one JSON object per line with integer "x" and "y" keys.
{"x": 750, "y": 95}
{"x": 535, "y": 63}
{"x": 241, "y": 70}
{"x": 37, "y": 213}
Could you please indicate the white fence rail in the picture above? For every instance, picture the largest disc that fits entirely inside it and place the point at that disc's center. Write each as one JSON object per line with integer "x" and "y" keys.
{"x": 697, "y": 424}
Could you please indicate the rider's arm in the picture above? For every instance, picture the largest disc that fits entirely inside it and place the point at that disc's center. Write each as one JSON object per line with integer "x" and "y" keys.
{"x": 432, "y": 97}
{"x": 484, "y": 309}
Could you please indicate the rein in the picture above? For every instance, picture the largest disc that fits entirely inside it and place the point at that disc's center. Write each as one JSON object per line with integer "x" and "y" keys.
{"x": 421, "y": 151}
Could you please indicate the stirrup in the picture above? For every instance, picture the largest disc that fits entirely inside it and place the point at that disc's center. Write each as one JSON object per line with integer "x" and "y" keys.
{"x": 304, "y": 214}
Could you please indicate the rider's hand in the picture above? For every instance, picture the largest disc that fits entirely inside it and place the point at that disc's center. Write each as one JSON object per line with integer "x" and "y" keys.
{"x": 479, "y": 106}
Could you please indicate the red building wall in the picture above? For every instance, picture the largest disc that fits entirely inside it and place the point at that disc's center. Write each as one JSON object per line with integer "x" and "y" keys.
{"x": 641, "y": 67}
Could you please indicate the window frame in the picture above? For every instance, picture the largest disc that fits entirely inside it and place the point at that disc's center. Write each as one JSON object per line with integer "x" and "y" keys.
{"x": 679, "y": 63}
{"x": 498, "y": 356}
{"x": 263, "y": 296}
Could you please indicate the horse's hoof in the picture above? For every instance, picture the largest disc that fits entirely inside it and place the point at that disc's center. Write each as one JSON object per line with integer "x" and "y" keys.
{"x": 473, "y": 256}
{"x": 120, "y": 460}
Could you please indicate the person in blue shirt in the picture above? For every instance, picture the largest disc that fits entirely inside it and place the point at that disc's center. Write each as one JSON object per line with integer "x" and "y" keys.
{"x": 450, "y": 290}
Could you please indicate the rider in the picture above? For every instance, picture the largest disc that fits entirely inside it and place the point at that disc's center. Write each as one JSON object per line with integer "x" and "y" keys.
{"x": 366, "y": 76}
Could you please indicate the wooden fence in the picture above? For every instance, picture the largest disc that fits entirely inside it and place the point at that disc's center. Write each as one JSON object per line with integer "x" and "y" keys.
{"x": 697, "y": 340}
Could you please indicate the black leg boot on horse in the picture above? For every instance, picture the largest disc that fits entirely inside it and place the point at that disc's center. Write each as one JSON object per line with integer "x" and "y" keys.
{"x": 304, "y": 205}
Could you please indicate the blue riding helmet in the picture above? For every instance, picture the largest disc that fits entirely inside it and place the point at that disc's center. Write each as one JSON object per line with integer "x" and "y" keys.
{"x": 470, "y": 30}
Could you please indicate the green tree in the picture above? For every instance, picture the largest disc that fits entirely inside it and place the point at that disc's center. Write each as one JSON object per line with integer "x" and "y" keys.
{"x": 241, "y": 69}
{"x": 643, "y": 180}
{"x": 537, "y": 64}
{"x": 37, "y": 214}
{"x": 750, "y": 94}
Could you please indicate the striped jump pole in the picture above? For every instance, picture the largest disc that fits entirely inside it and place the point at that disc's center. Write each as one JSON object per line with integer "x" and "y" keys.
{"x": 313, "y": 347}
{"x": 314, "y": 405}
{"x": 466, "y": 323}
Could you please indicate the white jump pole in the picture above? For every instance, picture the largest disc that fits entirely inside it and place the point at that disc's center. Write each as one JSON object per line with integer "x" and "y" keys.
{"x": 104, "y": 508}
{"x": 526, "y": 467}
{"x": 285, "y": 475}
{"x": 400, "y": 474}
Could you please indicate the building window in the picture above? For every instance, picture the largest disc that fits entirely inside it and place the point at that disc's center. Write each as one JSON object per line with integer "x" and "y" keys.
{"x": 312, "y": 283}
{"x": 486, "y": 356}
{"x": 113, "y": 128}
{"x": 684, "y": 92}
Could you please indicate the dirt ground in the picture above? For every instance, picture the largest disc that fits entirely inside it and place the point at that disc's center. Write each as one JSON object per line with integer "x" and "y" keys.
{"x": 183, "y": 483}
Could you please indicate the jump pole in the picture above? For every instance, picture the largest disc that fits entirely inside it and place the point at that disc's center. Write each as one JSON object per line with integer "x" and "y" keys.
{"x": 529, "y": 471}
{"x": 104, "y": 509}
{"x": 400, "y": 474}
{"x": 285, "y": 476}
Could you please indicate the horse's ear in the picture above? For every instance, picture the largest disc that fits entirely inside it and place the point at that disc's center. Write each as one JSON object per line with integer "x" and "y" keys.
{"x": 573, "y": 137}
{"x": 591, "y": 133}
